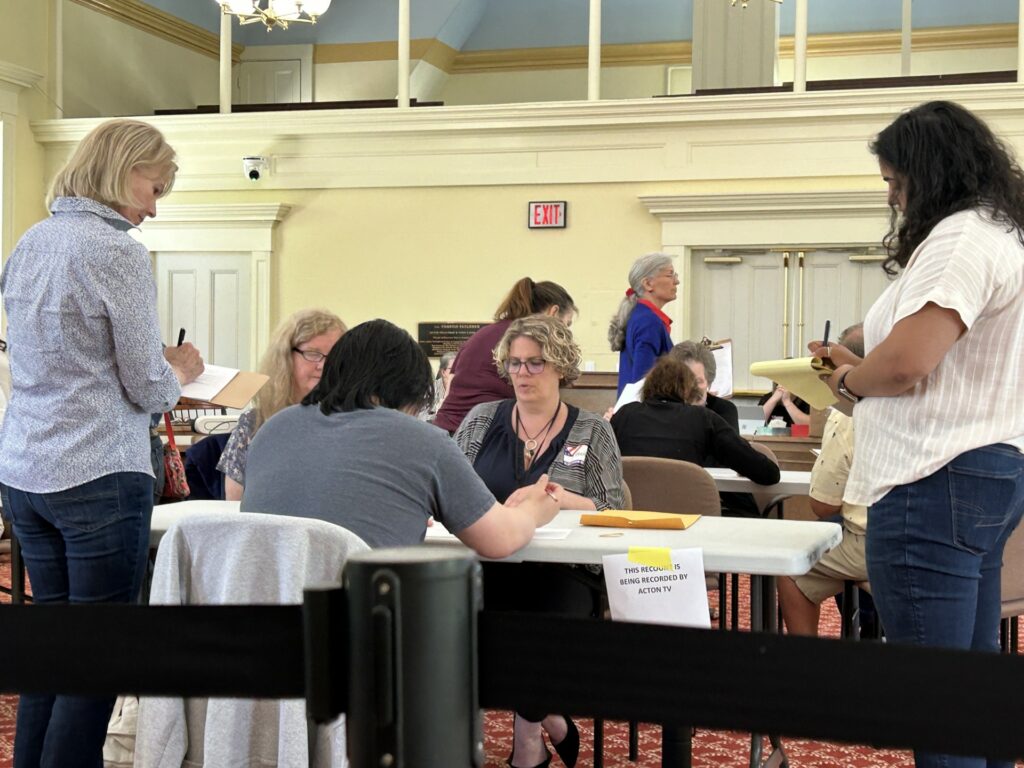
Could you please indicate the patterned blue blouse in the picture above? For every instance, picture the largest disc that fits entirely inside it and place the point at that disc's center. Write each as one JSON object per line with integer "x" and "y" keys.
{"x": 87, "y": 365}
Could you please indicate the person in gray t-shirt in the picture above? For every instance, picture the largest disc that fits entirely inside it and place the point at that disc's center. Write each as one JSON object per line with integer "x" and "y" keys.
{"x": 354, "y": 454}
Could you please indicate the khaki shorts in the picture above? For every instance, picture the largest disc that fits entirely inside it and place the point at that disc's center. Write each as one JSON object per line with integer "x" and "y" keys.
{"x": 844, "y": 563}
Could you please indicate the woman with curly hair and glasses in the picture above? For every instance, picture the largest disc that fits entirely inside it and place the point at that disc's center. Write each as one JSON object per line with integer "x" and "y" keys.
{"x": 511, "y": 444}
{"x": 294, "y": 362}
{"x": 937, "y": 402}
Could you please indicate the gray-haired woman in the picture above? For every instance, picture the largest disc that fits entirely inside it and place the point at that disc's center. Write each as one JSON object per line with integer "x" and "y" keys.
{"x": 639, "y": 332}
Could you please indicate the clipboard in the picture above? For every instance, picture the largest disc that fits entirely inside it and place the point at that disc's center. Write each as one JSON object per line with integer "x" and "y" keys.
{"x": 800, "y": 376}
{"x": 722, "y": 352}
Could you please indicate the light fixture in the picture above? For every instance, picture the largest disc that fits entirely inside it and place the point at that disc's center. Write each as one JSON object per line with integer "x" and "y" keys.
{"x": 743, "y": 3}
{"x": 275, "y": 13}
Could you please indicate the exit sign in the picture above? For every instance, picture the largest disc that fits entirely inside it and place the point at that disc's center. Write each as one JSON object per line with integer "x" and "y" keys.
{"x": 547, "y": 214}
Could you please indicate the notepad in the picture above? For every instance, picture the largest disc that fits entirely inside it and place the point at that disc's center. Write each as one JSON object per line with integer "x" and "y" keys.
{"x": 800, "y": 376}
{"x": 627, "y": 518}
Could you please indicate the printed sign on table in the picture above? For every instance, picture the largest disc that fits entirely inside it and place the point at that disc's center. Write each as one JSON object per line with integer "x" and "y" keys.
{"x": 657, "y": 585}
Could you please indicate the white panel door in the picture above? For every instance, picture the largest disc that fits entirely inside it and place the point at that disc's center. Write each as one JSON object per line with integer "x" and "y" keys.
{"x": 209, "y": 295}
{"x": 837, "y": 288}
{"x": 268, "y": 82}
{"x": 739, "y": 296}
{"x": 770, "y": 311}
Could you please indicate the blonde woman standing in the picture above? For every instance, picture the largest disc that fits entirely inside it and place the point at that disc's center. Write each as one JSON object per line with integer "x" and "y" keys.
{"x": 87, "y": 370}
{"x": 294, "y": 362}
{"x": 639, "y": 331}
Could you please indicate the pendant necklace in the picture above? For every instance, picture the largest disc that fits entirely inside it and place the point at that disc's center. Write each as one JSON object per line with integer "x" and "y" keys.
{"x": 531, "y": 442}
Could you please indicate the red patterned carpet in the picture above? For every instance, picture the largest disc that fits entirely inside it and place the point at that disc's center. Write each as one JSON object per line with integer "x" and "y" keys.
{"x": 710, "y": 748}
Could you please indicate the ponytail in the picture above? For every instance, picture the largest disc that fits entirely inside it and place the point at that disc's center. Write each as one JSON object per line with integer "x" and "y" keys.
{"x": 529, "y": 298}
{"x": 643, "y": 268}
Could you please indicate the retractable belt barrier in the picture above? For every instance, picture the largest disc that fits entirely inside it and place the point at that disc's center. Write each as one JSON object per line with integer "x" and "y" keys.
{"x": 400, "y": 651}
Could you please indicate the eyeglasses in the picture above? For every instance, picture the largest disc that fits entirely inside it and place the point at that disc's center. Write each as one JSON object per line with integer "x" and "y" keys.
{"x": 310, "y": 354}
{"x": 533, "y": 366}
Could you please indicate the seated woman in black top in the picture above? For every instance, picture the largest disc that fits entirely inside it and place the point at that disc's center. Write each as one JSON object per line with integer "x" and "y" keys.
{"x": 667, "y": 426}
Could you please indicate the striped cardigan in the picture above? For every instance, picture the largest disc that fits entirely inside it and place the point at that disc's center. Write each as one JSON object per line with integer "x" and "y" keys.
{"x": 598, "y": 476}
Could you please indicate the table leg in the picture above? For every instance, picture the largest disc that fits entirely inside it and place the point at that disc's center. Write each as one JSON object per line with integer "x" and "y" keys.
{"x": 676, "y": 746}
{"x": 764, "y": 618}
{"x": 598, "y": 743}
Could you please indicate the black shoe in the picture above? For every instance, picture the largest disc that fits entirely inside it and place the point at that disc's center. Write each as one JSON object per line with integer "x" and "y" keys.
{"x": 546, "y": 760}
{"x": 569, "y": 748}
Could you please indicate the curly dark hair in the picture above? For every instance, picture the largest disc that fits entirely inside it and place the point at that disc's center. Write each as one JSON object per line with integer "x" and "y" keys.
{"x": 671, "y": 379}
{"x": 946, "y": 160}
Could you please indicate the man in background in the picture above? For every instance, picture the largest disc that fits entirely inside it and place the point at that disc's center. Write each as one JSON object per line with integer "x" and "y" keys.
{"x": 801, "y": 597}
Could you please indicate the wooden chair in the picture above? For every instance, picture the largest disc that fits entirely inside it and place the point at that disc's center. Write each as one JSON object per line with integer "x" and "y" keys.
{"x": 1012, "y": 591}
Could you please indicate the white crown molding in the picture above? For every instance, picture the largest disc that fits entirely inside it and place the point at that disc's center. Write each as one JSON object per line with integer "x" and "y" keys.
{"x": 226, "y": 215}
{"x": 213, "y": 227}
{"x": 825, "y": 204}
{"x": 12, "y": 74}
{"x": 809, "y": 135}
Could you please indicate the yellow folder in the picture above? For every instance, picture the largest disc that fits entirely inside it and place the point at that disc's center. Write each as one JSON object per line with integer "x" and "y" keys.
{"x": 800, "y": 376}
{"x": 627, "y": 518}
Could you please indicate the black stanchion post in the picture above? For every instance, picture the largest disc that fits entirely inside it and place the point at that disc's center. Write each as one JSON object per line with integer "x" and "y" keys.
{"x": 413, "y": 700}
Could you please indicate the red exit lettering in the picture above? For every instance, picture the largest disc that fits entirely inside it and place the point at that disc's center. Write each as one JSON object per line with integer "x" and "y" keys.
{"x": 547, "y": 214}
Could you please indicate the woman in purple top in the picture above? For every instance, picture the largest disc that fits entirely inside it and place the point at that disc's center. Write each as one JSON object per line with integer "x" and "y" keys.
{"x": 639, "y": 331}
{"x": 87, "y": 369}
{"x": 475, "y": 377}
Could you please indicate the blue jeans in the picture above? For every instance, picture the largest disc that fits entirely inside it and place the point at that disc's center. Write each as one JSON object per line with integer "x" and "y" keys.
{"x": 88, "y": 544}
{"x": 934, "y": 554}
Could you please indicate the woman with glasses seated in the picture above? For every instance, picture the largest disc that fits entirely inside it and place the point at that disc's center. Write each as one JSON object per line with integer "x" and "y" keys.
{"x": 639, "y": 331}
{"x": 293, "y": 361}
{"x": 511, "y": 444}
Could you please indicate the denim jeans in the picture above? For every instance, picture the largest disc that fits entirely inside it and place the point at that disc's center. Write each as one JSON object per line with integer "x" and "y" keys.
{"x": 87, "y": 544}
{"x": 934, "y": 554}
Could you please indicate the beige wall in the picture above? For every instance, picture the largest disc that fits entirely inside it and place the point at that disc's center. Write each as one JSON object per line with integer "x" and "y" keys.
{"x": 25, "y": 42}
{"x": 138, "y": 74}
{"x": 450, "y": 253}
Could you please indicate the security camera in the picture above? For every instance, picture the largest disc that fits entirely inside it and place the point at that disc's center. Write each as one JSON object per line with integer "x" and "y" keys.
{"x": 255, "y": 167}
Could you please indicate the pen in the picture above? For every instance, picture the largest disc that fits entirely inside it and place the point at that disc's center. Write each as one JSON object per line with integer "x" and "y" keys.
{"x": 181, "y": 336}
{"x": 824, "y": 341}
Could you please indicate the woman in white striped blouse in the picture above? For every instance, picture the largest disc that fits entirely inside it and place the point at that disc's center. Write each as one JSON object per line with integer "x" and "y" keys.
{"x": 939, "y": 408}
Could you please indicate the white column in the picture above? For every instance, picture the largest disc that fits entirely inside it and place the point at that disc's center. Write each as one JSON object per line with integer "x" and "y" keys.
{"x": 57, "y": 59}
{"x": 225, "y": 63}
{"x": 800, "y": 48}
{"x": 1020, "y": 42}
{"x": 403, "y": 53}
{"x": 905, "y": 31}
{"x": 594, "y": 52}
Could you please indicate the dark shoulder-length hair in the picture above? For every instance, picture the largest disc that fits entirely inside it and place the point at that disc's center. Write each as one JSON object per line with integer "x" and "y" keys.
{"x": 946, "y": 160}
{"x": 670, "y": 379}
{"x": 374, "y": 364}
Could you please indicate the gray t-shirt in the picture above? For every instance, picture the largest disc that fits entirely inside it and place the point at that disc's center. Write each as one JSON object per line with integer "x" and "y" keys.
{"x": 379, "y": 473}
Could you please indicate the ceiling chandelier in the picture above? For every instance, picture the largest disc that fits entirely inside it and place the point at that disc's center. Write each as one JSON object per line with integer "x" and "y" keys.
{"x": 275, "y": 13}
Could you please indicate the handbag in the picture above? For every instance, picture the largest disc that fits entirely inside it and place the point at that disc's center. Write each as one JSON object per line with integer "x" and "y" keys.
{"x": 175, "y": 484}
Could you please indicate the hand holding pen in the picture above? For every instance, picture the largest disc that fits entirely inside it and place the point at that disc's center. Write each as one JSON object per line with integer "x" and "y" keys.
{"x": 184, "y": 359}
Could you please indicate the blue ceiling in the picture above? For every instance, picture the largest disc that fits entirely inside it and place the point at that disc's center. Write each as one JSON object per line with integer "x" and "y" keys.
{"x": 492, "y": 24}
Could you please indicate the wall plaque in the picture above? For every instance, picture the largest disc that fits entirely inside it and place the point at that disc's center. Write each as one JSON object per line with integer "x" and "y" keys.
{"x": 437, "y": 338}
